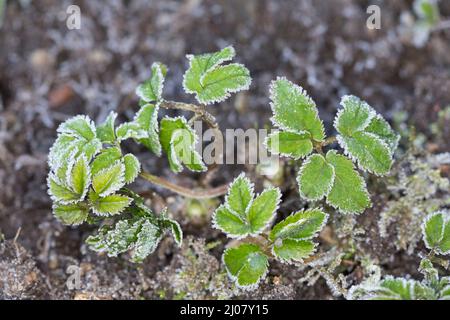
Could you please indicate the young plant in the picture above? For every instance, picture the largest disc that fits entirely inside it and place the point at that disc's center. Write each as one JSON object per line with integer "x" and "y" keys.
{"x": 248, "y": 218}
{"x": 436, "y": 235}
{"x": 89, "y": 172}
{"x": 367, "y": 140}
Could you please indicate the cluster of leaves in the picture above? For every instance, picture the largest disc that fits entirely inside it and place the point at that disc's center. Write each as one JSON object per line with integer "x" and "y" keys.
{"x": 89, "y": 173}
{"x": 244, "y": 215}
{"x": 367, "y": 140}
{"x": 436, "y": 235}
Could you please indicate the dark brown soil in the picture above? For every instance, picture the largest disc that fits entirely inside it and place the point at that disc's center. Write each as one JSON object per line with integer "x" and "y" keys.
{"x": 49, "y": 73}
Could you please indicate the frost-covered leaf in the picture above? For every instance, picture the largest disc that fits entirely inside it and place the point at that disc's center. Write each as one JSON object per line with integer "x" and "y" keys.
{"x": 315, "y": 178}
{"x": 365, "y": 136}
{"x": 151, "y": 89}
{"x": 59, "y": 192}
{"x": 71, "y": 214}
{"x": 290, "y": 144}
{"x": 436, "y": 232}
{"x": 427, "y": 11}
{"x": 105, "y": 131}
{"x": 302, "y": 225}
{"x": 147, "y": 240}
{"x": 80, "y": 127}
{"x": 263, "y": 209}
{"x": 393, "y": 289}
{"x": 240, "y": 195}
{"x": 147, "y": 119}
{"x": 140, "y": 236}
{"x": 433, "y": 229}
{"x": 217, "y": 84}
{"x": 349, "y": 193}
{"x": 230, "y": 223}
{"x": 178, "y": 141}
{"x": 211, "y": 81}
{"x": 105, "y": 158}
{"x": 109, "y": 180}
{"x": 371, "y": 153}
{"x": 80, "y": 176}
{"x": 293, "y": 250}
{"x": 175, "y": 229}
{"x": 247, "y": 265}
{"x": 381, "y": 128}
{"x": 241, "y": 214}
{"x": 132, "y": 167}
{"x": 109, "y": 205}
{"x": 293, "y": 110}
{"x": 291, "y": 237}
{"x": 129, "y": 130}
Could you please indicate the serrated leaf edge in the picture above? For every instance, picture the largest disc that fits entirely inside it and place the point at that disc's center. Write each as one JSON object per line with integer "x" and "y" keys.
{"x": 300, "y": 172}
{"x": 301, "y": 91}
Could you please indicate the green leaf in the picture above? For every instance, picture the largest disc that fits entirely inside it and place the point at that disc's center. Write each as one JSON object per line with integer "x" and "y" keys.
{"x": 59, "y": 192}
{"x": 140, "y": 236}
{"x": 178, "y": 141}
{"x": 241, "y": 215}
{"x": 132, "y": 167}
{"x": 365, "y": 136}
{"x": 175, "y": 229}
{"x": 151, "y": 90}
{"x": 433, "y": 230}
{"x": 354, "y": 116}
{"x": 80, "y": 177}
{"x": 302, "y": 225}
{"x": 105, "y": 131}
{"x": 263, "y": 209}
{"x": 349, "y": 193}
{"x": 371, "y": 153}
{"x": 289, "y": 144}
{"x": 110, "y": 205}
{"x": 147, "y": 119}
{"x": 293, "y": 250}
{"x": 109, "y": 180}
{"x": 80, "y": 127}
{"x": 230, "y": 223}
{"x": 129, "y": 130}
{"x": 393, "y": 289}
{"x": 293, "y": 110}
{"x": 220, "y": 82}
{"x": 105, "y": 159}
{"x": 315, "y": 178}
{"x": 291, "y": 237}
{"x": 379, "y": 127}
{"x": 436, "y": 232}
{"x": 212, "y": 82}
{"x": 199, "y": 65}
{"x": 247, "y": 265}
{"x": 240, "y": 195}
{"x": 147, "y": 241}
{"x": 70, "y": 214}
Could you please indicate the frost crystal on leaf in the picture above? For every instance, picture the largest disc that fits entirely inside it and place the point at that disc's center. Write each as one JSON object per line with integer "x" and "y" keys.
{"x": 211, "y": 81}
{"x": 242, "y": 214}
{"x": 291, "y": 237}
{"x": 293, "y": 110}
{"x": 365, "y": 136}
{"x": 247, "y": 265}
{"x": 436, "y": 232}
{"x": 178, "y": 140}
{"x": 151, "y": 90}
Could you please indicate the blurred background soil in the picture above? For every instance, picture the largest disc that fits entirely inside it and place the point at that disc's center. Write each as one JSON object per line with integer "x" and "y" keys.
{"x": 49, "y": 73}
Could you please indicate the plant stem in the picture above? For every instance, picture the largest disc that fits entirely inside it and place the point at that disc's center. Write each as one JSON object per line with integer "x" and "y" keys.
{"x": 186, "y": 192}
{"x": 319, "y": 145}
{"x": 198, "y": 110}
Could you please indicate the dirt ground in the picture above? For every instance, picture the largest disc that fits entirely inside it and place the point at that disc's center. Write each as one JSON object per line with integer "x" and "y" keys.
{"x": 49, "y": 73}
